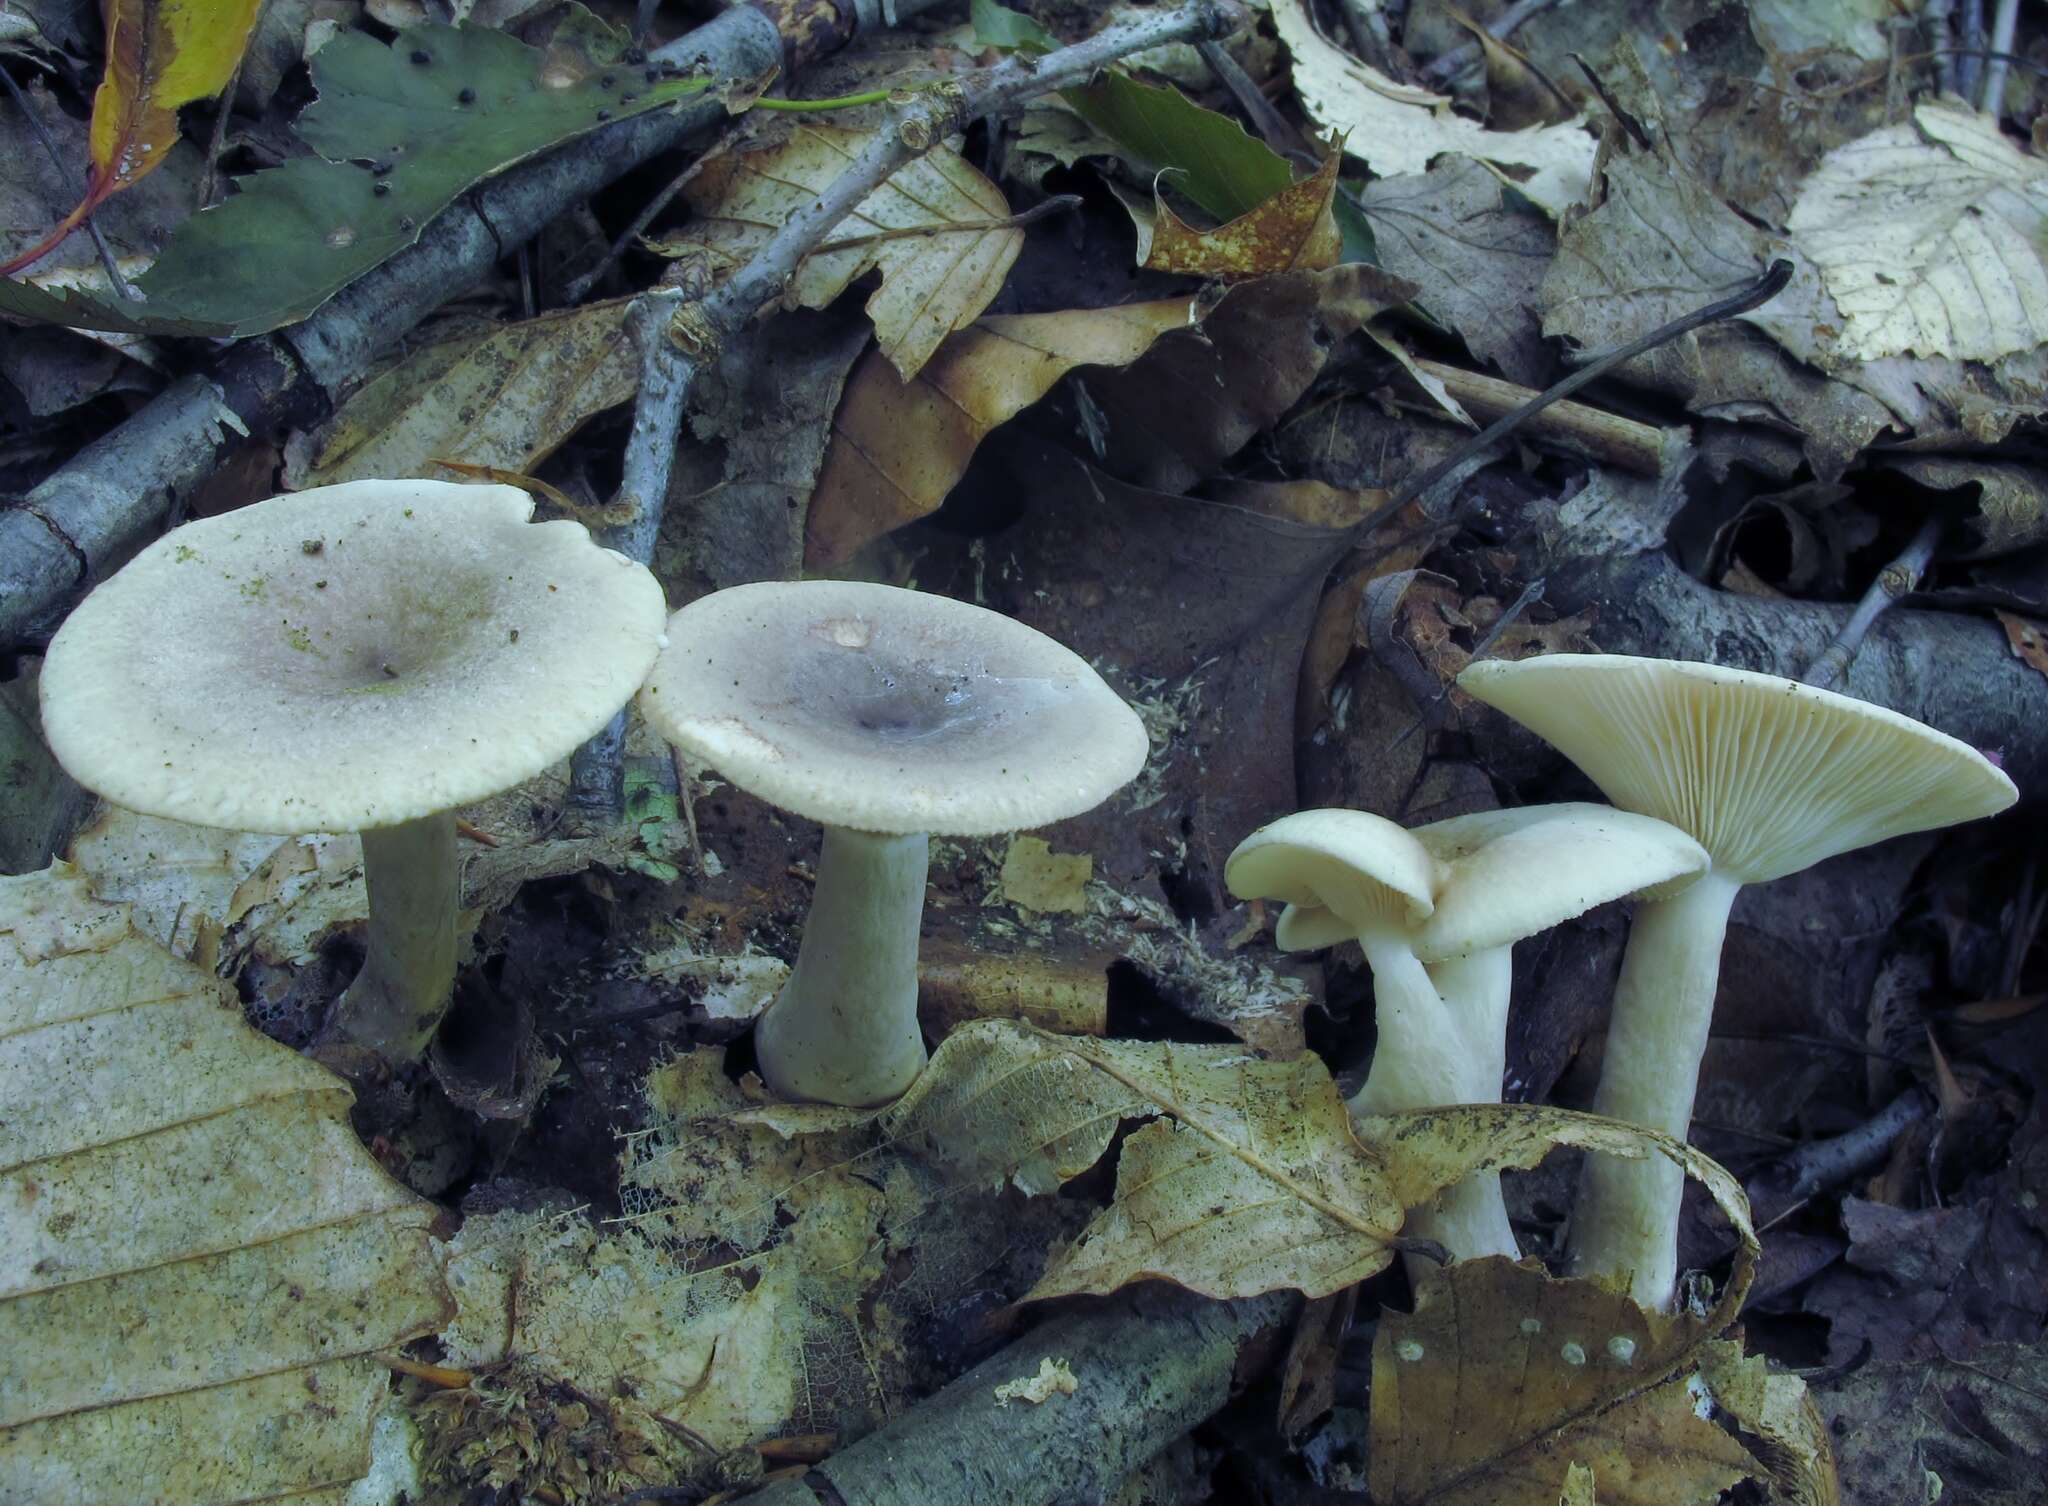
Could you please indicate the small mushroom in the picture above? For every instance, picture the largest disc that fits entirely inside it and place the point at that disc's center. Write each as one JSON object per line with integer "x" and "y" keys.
{"x": 889, "y": 716}
{"x": 1771, "y": 777}
{"x": 1491, "y": 880}
{"x": 434, "y": 649}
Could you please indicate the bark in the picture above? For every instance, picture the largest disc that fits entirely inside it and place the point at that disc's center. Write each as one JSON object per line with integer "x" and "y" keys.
{"x": 84, "y": 519}
{"x": 1151, "y": 1364}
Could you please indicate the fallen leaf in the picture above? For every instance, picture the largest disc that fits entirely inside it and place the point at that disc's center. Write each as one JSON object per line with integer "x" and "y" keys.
{"x": 1395, "y": 129}
{"x": 1208, "y": 157}
{"x": 1291, "y": 231}
{"x": 1774, "y": 1408}
{"x": 933, "y": 282}
{"x": 1037, "y": 879}
{"x": 2029, "y": 640}
{"x": 1504, "y": 1384}
{"x": 169, "y": 1170}
{"x": 1929, "y": 235}
{"x": 504, "y": 396}
{"x": 161, "y": 54}
{"x": 1934, "y": 1429}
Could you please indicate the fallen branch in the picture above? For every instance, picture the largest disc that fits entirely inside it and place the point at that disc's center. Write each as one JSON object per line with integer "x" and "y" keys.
{"x": 88, "y": 515}
{"x": 1148, "y": 1366}
{"x": 682, "y": 334}
{"x": 1626, "y": 442}
{"x": 1894, "y": 582}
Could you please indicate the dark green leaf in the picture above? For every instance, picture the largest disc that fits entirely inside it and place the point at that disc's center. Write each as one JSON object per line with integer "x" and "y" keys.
{"x": 1209, "y": 156}
{"x": 999, "y": 26}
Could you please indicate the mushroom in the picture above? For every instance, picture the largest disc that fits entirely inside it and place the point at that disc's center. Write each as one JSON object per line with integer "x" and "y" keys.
{"x": 1771, "y": 777}
{"x": 889, "y": 716}
{"x": 1491, "y": 880}
{"x": 364, "y": 657}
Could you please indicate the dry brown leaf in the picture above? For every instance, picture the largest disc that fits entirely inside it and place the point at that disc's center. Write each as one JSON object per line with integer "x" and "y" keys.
{"x": 1504, "y": 1378}
{"x": 171, "y": 1173}
{"x": 504, "y": 396}
{"x": 932, "y": 284}
{"x": 1292, "y": 231}
{"x": 2029, "y": 640}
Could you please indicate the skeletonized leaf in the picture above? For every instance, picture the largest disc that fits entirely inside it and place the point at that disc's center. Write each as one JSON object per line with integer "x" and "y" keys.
{"x": 1930, "y": 236}
{"x": 166, "y": 1171}
{"x": 1505, "y": 1384}
{"x": 1394, "y": 128}
{"x": 161, "y": 54}
{"x": 932, "y": 284}
{"x": 503, "y": 396}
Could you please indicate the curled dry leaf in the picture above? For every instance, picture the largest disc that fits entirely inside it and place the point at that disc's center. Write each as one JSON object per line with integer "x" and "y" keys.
{"x": 1505, "y": 1386}
{"x": 937, "y": 232}
{"x": 168, "y": 1171}
{"x": 1293, "y": 230}
{"x": 1395, "y": 129}
{"x": 503, "y": 396}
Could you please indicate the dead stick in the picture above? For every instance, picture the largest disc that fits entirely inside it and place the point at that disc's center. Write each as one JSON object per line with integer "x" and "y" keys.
{"x": 1623, "y": 442}
{"x": 681, "y": 335}
{"x": 1894, "y": 582}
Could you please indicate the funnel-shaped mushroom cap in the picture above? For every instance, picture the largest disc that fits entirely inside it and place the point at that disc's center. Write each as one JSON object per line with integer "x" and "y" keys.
{"x": 347, "y": 657}
{"x": 887, "y": 710}
{"x": 1770, "y": 775}
{"x": 1361, "y": 868}
{"x": 1513, "y": 873}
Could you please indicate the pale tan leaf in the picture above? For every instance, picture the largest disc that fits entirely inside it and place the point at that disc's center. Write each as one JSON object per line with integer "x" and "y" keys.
{"x": 932, "y": 284}
{"x": 1394, "y": 129}
{"x": 504, "y": 396}
{"x": 1504, "y": 1379}
{"x": 1930, "y": 236}
{"x": 1039, "y": 880}
{"x": 166, "y": 1171}
{"x": 1774, "y": 1408}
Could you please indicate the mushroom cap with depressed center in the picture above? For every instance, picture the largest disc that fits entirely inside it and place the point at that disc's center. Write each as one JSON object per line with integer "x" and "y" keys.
{"x": 890, "y": 711}
{"x": 1361, "y": 868}
{"x": 347, "y": 657}
{"x": 1513, "y": 873}
{"x": 1771, "y": 776}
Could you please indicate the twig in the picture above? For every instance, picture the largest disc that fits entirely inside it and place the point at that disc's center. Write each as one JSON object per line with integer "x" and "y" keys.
{"x": 680, "y": 336}
{"x": 1759, "y": 292}
{"x": 218, "y": 141}
{"x": 1446, "y": 69}
{"x": 1057, "y": 204}
{"x": 1970, "y": 28}
{"x": 1894, "y": 582}
{"x": 573, "y": 294}
{"x": 1619, "y": 441}
{"x": 1531, "y": 594}
{"x": 2003, "y": 26}
{"x": 1935, "y": 16}
{"x": 71, "y": 185}
{"x": 1370, "y": 38}
{"x": 1273, "y": 127}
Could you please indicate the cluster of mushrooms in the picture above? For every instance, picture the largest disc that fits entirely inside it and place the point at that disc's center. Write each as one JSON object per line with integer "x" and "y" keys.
{"x": 372, "y": 656}
{"x": 1720, "y": 778}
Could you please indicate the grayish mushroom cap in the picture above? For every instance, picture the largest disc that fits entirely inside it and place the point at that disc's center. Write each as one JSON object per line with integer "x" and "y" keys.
{"x": 890, "y": 711}
{"x": 1770, "y": 776}
{"x": 1513, "y": 873}
{"x": 1361, "y": 868}
{"x": 347, "y": 657}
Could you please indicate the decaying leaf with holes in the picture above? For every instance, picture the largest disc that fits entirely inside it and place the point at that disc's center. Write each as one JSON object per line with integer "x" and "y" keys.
{"x": 937, "y": 231}
{"x": 170, "y": 1171}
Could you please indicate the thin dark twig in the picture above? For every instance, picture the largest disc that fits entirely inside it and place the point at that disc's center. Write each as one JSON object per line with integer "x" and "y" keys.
{"x": 218, "y": 141}
{"x": 71, "y": 185}
{"x": 1531, "y": 594}
{"x": 1894, "y": 582}
{"x": 1627, "y": 121}
{"x": 573, "y": 294}
{"x": 1762, "y": 291}
{"x": 1274, "y": 127}
{"x": 1447, "y": 68}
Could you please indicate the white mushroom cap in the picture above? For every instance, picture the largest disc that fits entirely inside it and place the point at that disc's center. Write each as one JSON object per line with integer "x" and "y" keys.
{"x": 890, "y": 711}
{"x": 1361, "y": 868}
{"x": 346, "y": 657}
{"x": 1770, "y": 776}
{"x": 1513, "y": 873}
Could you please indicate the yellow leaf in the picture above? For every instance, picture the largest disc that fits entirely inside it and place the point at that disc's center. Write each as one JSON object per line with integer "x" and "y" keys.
{"x": 1036, "y": 878}
{"x": 937, "y": 231}
{"x": 161, "y": 54}
{"x": 1507, "y": 1387}
{"x": 1294, "y": 230}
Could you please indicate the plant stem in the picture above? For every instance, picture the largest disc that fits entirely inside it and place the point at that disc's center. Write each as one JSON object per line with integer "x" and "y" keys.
{"x": 1626, "y": 1219}
{"x": 844, "y": 1028}
{"x": 408, "y": 976}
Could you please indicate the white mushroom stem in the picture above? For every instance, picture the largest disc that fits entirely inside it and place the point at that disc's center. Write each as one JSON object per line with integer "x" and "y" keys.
{"x": 844, "y": 1028}
{"x": 1475, "y": 989}
{"x": 1626, "y": 1218}
{"x": 1422, "y": 1061}
{"x": 408, "y": 976}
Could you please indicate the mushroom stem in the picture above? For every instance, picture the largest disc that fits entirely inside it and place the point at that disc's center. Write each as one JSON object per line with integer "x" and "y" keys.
{"x": 1422, "y": 1062}
{"x": 1626, "y": 1217}
{"x": 844, "y": 1028}
{"x": 1472, "y": 1218}
{"x": 408, "y": 976}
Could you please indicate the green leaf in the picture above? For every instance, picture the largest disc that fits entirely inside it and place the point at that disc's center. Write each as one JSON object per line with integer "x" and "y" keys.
{"x": 422, "y": 132}
{"x": 1211, "y": 158}
{"x": 1360, "y": 244}
{"x": 999, "y": 26}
